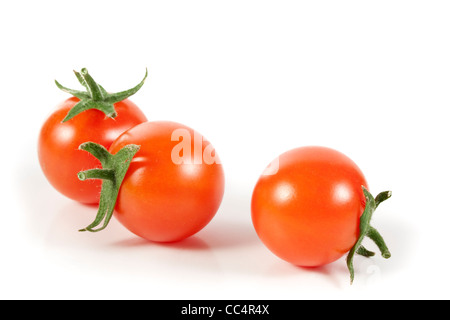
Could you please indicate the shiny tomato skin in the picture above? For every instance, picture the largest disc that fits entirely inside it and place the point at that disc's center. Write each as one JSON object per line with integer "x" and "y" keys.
{"x": 58, "y": 143}
{"x": 308, "y": 212}
{"x": 160, "y": 200}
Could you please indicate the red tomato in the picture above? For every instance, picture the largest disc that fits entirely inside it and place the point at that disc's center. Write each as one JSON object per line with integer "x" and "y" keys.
{"x": 173, "y": 187}
{"x": 58, "y": 145}
{"x": 308, "y": 213}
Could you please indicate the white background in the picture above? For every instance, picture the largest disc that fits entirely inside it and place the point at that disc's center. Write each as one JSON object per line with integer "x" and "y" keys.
{"x": 257, "y": 78}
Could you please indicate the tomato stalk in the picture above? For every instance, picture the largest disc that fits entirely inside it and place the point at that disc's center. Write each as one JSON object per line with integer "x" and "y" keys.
{"x": 367, "y": 230}
{"x": 114, "y": 168}
{"x": 95, "y": 96}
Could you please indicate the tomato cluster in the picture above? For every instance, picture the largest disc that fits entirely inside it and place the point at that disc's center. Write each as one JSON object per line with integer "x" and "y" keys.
{"x": 164, "y": 181}
{"x": 152, "y": 193}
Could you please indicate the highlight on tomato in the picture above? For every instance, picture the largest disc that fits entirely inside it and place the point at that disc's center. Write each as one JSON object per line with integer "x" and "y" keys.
{"x": 312, "y": 206}
{"x": 162, "y": 180}
{"x": 90, "y": 115}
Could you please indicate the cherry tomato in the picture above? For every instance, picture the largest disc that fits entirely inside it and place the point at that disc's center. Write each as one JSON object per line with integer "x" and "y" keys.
{"x": 308, "y": 212}
{"x": 173, "y": 185}
{"x": 58, "y": 143}
{"x": 91, "y": 115}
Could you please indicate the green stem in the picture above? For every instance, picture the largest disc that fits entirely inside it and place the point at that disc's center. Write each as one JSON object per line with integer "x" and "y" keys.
{"x": 97, "y": 151}
{"x": 91, "y": 86}
{"x": 364, "y": 252}
{"x": 367, "y": 230}
{"x": 105, "y": 174}
{"x": 95, "y": 96}
{"x": 112, "y": 173}
{"x": 375, "y": 236}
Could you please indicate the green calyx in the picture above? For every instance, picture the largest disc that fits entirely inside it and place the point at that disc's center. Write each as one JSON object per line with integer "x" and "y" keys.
{"x": 367, "y": 230}
{"x": 95, "y": 96}
{"x": 114, "y": 168}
